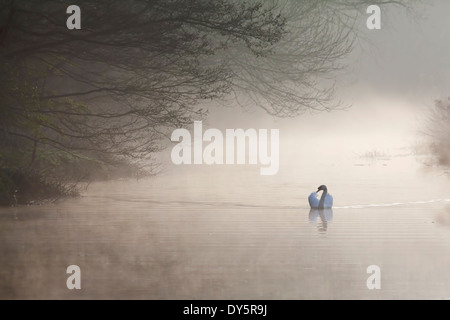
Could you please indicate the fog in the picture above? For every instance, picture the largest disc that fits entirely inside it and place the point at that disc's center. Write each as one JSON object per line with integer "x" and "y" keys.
{"x": 391, "y": 80}
{"x": 227, "y": 232}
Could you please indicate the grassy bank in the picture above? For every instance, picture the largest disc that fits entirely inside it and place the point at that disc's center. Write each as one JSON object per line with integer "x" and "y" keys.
{"x": 31, "y": 186}
{"x": 27, "y": 187}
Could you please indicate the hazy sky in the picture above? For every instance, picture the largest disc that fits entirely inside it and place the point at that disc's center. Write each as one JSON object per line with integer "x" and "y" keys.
{"x": 393, "y": 76}
{"x": 410, "y": 54}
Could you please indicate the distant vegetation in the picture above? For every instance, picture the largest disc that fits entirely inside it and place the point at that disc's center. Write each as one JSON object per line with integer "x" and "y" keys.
{"x": 374, "y": 155}
{"x": 438, "y": 131}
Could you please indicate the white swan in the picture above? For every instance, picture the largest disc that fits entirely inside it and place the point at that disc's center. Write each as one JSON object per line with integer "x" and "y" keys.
{"x": 326, "y": 200}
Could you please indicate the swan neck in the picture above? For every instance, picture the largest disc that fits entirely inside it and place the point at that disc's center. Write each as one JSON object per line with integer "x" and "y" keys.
{"x": 322, "y": 199}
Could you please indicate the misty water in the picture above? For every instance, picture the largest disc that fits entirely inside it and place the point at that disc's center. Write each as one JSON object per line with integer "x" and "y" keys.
{"x": 211, "y": 232}
{"x": 226, "y": 232}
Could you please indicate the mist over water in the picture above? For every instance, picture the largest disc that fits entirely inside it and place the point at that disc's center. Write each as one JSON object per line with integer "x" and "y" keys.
{"x": 232, "y": 234}
{"x": 227, "y": 232}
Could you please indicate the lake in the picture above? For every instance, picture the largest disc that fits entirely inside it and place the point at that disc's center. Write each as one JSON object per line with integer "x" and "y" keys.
{"x": 210, "y": 232}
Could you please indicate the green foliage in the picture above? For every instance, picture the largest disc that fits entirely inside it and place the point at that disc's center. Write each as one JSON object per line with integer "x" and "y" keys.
{"x": 7, "y": 188}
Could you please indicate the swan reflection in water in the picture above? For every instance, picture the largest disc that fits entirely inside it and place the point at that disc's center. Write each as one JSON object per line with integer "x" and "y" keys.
{"x": 321, "y": 217}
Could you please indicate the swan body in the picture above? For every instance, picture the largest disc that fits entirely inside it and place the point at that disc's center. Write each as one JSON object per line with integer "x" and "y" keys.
{"x": 325, "y": 201}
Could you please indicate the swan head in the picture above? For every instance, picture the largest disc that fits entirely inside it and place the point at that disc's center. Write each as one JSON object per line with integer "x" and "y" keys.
{"x": 322, "y": 188}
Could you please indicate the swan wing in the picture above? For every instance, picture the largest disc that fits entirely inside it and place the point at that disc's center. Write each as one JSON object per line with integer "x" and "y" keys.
{"x": 328, "y": 201}
{"x": 313, "y": 201}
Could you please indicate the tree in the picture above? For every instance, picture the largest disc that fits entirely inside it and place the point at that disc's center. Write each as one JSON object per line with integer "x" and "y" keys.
{"x": 438, "y": 131}
{"x": 139, "y": 68}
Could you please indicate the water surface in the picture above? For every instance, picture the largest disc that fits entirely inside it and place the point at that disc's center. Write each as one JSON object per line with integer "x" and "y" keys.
{"x": 229, "y": 233}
